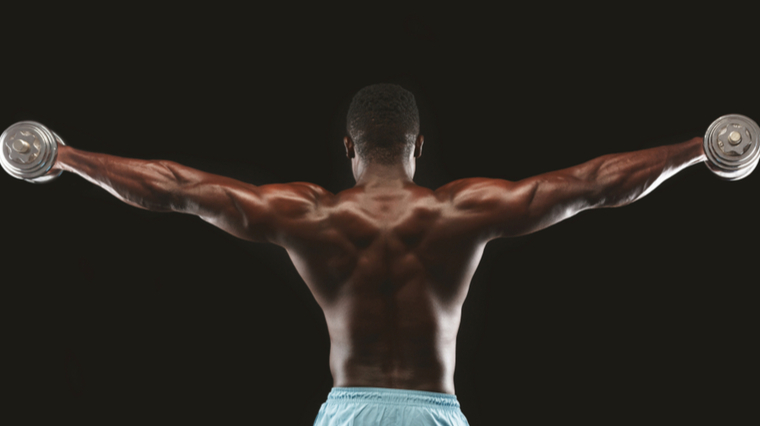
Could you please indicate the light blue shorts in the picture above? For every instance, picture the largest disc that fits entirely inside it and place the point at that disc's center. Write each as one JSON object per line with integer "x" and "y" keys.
{"x": 370, "y": 406}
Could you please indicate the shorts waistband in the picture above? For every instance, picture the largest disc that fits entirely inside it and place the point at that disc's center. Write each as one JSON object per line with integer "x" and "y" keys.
{"x": 393, "y": 395}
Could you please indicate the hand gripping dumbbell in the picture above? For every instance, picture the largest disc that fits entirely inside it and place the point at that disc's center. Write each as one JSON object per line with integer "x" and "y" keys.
{"x": 731, "y": 146}
{"x": 29, "y": 152}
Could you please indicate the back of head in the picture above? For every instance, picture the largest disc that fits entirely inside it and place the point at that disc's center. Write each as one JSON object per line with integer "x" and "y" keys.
{"x": 383, "y": 121}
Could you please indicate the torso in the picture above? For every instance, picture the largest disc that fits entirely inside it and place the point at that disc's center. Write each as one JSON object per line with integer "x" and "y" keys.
{"x": 391, "y": 270}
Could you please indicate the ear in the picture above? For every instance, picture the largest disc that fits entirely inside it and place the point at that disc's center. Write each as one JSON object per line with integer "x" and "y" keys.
{"x": 349, "y": 143}
{"x": 418, "y": 146}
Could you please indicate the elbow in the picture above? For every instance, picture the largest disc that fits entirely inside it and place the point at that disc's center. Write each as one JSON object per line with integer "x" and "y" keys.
{"x": 165, "y": 187}
{"x": 606, "y": 193}
{"x": 619, "y": 180}
{"x": 606, "y": 182}
{"x": 170, "y": 171}
{"x": 618, "y": 191}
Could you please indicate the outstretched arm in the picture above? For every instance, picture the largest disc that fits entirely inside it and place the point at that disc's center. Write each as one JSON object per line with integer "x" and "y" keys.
{"x": 505, "y": 208}
{"x": 256, "y": 213}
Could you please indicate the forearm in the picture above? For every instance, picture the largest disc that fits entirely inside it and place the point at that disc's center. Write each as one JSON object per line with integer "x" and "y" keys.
{"x": 146, "y": 184}
{"x": 624, "y": 178}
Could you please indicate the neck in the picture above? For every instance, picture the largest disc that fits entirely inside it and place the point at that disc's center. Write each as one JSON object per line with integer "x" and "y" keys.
{"x": 381, "y": 175}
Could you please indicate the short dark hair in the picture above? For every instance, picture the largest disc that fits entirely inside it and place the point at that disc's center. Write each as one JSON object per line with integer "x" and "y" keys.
{"x": 380, "y": 121}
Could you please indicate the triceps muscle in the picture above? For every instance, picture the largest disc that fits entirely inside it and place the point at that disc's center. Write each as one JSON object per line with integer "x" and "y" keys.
{"x": 542, "y": 201}
{"x": 230, "y": 205}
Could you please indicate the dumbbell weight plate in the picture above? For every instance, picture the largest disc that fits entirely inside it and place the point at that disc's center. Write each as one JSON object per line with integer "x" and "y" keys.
{"x": 29, "y": 150}
{"x": 49, "y": 176}
{"x": 732, "y": 148}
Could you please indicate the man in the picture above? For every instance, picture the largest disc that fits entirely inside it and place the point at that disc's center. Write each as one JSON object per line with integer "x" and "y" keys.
{"x": 388, "y": 262}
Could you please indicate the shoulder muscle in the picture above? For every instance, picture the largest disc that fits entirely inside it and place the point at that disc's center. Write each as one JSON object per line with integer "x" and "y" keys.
{"x": 259, "y": 213}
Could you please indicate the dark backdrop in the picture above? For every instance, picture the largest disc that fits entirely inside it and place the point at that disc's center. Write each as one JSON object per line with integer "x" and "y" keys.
{"x": 115, "y": 315}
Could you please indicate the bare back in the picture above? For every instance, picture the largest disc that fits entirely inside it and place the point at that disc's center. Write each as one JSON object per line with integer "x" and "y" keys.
{"x": 391, "y": 270}
{"x": 390, "y": 266}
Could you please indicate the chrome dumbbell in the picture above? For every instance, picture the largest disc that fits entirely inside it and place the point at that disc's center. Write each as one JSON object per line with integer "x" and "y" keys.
{"x": 29, "y": 152}
{"x": 731, "y": 146}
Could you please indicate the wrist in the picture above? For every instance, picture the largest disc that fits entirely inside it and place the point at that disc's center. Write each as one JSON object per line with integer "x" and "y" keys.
{"x": 698, "y": 148}
{"x": 61, "y": 158}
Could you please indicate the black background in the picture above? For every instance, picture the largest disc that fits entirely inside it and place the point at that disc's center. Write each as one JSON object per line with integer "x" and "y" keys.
{"x": 115, "y": 315}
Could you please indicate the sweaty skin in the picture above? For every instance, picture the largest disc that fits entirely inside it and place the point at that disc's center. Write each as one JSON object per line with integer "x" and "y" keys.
{"x": 389, "y": 262}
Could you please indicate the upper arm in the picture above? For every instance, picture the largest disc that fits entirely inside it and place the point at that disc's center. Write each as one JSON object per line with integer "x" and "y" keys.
{"x": 504, "y": 208}
{"x": 255, "y": 213}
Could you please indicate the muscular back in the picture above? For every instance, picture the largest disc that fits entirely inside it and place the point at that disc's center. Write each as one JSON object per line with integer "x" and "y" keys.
{"x": 391, "y": 265}
{"x": 390, "y": 269}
